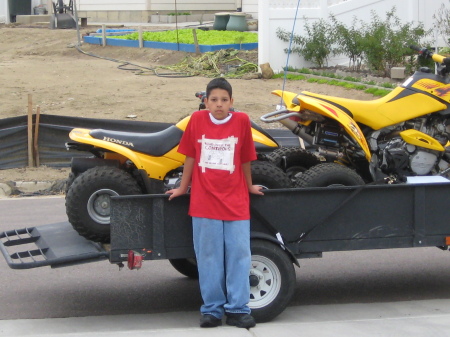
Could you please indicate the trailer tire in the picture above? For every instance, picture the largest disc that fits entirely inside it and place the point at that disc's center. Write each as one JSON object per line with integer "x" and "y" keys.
{"x": 187, "y": 267}
{"x": 269, "y": 176}
{"x": 329, "y": 174}
{"x": 293, "y": 160}
{"x": 272, "y": 280}
{"x": 88, "y": 200}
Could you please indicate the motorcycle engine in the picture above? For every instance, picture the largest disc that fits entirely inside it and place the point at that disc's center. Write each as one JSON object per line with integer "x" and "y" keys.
{"x": 398, "y": 157}
{"x": 173, "y": 179}
{"x": 395, "y": 156}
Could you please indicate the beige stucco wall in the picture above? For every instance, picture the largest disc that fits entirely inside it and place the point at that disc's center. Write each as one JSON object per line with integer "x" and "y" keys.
{"x": 161, "y": 6}
{"x": 119, "y": 11}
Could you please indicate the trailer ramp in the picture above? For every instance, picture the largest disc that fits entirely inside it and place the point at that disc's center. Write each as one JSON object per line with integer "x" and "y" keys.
{"x": 55, "y": 245}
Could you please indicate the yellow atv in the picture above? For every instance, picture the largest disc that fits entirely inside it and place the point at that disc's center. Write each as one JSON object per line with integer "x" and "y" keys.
{"x": 125, "y": 163}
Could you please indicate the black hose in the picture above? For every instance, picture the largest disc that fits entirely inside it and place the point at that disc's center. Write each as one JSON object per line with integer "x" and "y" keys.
{"x": 140, "y": 70}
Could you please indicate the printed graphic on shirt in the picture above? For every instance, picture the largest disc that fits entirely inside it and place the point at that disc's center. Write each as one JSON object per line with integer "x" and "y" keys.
{"x": 217, "y": 153}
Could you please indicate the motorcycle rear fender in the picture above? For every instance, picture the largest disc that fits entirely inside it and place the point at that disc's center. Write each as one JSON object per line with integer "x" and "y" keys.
{"x": 421, "y": 139}
{"x": 327, "y": 110}
{"x": 262, "y": 139}
{"x": 80, "y": 165}
{"x": 156, "y": 167}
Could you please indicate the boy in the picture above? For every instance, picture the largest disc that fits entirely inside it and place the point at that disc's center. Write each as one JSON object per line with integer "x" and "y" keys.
{"x": 219, "y": 148}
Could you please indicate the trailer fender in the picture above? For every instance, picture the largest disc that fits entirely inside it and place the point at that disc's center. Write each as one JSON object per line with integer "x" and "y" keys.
{"x": 267, "y": 237}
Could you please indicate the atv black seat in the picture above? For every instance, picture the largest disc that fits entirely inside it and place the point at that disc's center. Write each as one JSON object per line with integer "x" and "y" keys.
{"x": 154, "y": 144}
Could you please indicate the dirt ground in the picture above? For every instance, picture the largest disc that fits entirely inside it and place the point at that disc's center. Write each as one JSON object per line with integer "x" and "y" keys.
{"x": 64, "y": 81}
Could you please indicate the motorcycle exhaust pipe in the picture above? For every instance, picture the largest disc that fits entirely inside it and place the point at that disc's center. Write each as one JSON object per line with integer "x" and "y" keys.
{"x": 330, "y": 155}
{"x": 297, "y": 130}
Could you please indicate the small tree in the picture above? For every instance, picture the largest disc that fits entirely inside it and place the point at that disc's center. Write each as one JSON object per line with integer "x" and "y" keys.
{"x": 386, "y": 43}
{"x": 442, "y": 24}
{"x": 315, "y": 45}
{"x": 350, "y": 41}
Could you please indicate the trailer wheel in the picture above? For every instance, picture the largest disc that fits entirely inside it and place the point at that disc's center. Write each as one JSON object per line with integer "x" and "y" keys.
{"x": 272, "y": 280}
{"x": 329, "y": 174}
{"x": 269, "y": 176}
{"x": 88, "y": 201}
{"x": 187, "y": 267}
{"x": 293, "y": 160}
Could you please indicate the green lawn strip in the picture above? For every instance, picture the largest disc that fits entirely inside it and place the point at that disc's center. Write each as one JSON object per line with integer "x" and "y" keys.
{"x": 349, "y": 84}
{"x": 210, "y": 37}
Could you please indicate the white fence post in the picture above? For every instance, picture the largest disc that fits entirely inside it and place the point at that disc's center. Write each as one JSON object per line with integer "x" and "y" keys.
{"x": 264, "y": 28}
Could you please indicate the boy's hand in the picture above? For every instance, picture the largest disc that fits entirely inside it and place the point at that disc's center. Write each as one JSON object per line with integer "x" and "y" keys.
{"x": 176, "y": 192}
{"x": 256, "y": 189}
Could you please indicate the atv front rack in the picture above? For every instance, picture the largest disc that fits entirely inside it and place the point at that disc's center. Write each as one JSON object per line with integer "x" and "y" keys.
{"x": 55, "y": 245}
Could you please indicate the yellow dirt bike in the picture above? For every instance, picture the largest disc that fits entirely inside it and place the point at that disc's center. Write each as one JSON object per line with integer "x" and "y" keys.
{"x": 125, "y": 163}
{"x": 405, "y": 133}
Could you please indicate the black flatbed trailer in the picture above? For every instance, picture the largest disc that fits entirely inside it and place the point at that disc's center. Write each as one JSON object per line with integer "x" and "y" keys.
{"x": 286, "y": 225}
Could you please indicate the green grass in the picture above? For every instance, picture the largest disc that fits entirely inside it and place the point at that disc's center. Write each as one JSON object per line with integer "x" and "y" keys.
{"x": 209, "y": 37}
{"x": 336, "y": 82}
{"x": 377, "y": 92}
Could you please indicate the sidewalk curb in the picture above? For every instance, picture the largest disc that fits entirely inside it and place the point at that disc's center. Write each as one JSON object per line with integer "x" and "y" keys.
{"x": 28, "y": 188}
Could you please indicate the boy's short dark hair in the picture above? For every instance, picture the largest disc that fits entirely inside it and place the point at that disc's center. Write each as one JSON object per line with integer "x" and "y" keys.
{"x": 219, "y": 83}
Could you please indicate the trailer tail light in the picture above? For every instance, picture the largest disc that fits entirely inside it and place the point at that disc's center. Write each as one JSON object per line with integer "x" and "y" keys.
{"x": 134, "y": 260}
{"x": 447, "y": 240}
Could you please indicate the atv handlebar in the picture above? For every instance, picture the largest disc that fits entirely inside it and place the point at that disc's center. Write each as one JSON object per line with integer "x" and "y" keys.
{"x": 286, "y": 114}
{"x": 429, "y": 54}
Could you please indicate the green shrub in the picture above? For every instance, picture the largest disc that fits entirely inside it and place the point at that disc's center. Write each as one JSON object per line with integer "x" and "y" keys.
{"x": 386, "y": 43}
{"x": 380, "y": 43}
{"x": 350, "y": 41}
{"x": 315, "y": 45}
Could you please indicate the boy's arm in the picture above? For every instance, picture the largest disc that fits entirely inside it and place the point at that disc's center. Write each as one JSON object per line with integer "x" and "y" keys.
{"x": 185, "y": 179}
{"x": 254, "y": 189}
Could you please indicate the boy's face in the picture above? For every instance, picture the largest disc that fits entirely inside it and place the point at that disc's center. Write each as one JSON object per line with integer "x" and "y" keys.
{"x": 219, "y": 103}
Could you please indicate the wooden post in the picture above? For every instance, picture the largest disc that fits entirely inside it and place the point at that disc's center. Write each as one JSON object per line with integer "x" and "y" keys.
{"x": 36, "y": 136}
{"x": 141, "y": 41}
{"x": 104, "y": 35}
{"x": 197, "y": 48}
{"x": 30, "y": 131}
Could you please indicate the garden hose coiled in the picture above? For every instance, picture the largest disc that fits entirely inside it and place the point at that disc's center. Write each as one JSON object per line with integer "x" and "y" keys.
{"x": 138, "y": 69}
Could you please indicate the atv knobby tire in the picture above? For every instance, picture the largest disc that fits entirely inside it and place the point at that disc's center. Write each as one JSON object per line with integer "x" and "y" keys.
{"x": 269, "y": 176}
{"x": 70, "y": 179}
{"x": 329, "y": 174}
{"x": 88, "y": 201}
{"x": 293, "y": 160}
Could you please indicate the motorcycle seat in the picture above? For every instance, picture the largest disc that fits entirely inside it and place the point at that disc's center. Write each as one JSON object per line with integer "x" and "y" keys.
{"x": 351, "y": 106}
{"x": 154, "y": 144}
{"x": 384, "y": 111}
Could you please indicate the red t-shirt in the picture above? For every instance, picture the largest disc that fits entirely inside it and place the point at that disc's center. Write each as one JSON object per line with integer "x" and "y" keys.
{"x": 218, "y": 188}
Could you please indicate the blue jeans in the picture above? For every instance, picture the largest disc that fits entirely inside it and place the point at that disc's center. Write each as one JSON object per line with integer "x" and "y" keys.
{"x": 223, "y": 256}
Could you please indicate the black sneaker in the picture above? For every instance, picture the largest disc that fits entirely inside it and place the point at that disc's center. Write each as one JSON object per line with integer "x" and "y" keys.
{"x": 241, "y": 320}
{"x": 209, "y": 321}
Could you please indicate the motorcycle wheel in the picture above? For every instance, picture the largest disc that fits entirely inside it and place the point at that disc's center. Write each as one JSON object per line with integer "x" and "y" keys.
{"x": 293, "y": 160}
{"x": 272, "y": 280}
{"x": 187, "y": 267}
{"x": 269, "y": 176}
{"x": 88, "y": 201}
{"x": 329, "y": 174}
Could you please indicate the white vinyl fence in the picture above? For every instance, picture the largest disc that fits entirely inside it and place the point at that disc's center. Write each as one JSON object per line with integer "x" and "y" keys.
{"x": 274, "y": 14}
